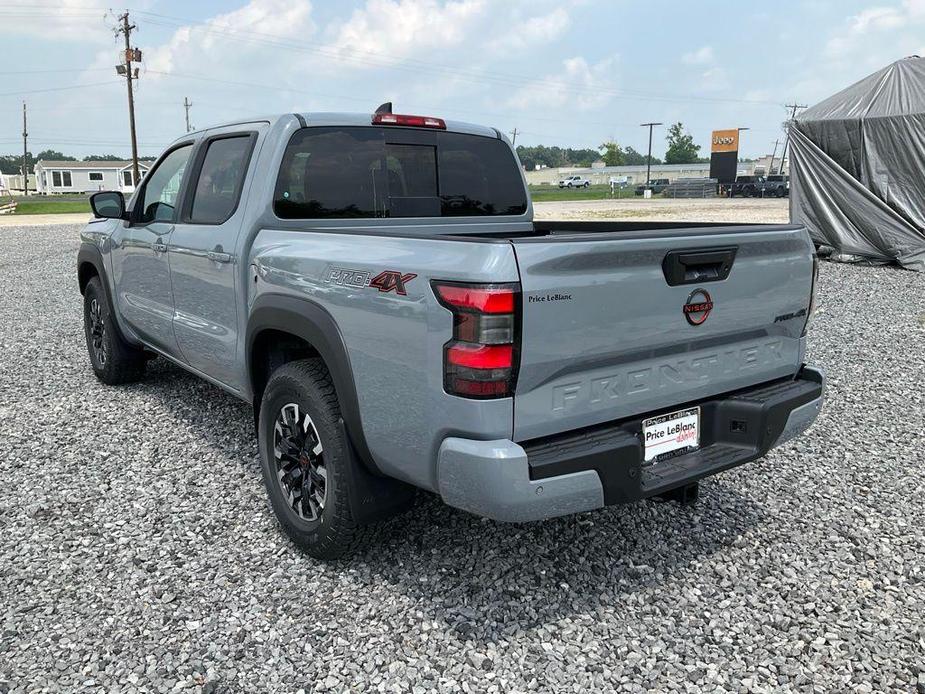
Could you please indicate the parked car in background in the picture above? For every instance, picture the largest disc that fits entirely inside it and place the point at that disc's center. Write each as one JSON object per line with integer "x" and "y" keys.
{"x": 746, "y": 186}
{"x": 376, "y": 287}
{"x": 656, "y": 185}
{"x": 575, "y": 182}
{"x": 774, "y": 186}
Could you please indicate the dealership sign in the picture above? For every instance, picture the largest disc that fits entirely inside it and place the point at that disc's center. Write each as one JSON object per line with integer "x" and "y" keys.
{"x": 724, "y": 155}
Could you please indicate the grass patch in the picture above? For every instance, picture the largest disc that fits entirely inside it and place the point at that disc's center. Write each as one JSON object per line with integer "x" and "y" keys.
{"x": 43, "y": 206}
{"x": 553, "y": 193}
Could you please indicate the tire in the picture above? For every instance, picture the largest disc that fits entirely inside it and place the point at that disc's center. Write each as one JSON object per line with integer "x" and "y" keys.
{"x": 317, "y": 517}
{"x": 587, "y": 185}
{"x": 114, "y": 361}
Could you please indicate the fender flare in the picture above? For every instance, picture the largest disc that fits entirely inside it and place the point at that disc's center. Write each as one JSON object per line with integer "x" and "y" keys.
{"x": 91, "y": 254}
{"x": 309, "y": 321}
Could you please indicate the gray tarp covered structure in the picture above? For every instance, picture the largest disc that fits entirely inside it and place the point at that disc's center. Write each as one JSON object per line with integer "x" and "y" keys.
{"x": 858, "y": 168}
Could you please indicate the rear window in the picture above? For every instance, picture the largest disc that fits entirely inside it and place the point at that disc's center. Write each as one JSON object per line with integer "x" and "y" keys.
{"x": 337, "y": 173}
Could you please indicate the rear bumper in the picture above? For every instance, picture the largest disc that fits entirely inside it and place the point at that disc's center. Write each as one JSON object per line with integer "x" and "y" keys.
{"x": 584, "y": 470}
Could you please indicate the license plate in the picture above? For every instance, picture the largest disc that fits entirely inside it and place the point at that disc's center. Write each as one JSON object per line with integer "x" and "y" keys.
{"x": 671, "y": 434}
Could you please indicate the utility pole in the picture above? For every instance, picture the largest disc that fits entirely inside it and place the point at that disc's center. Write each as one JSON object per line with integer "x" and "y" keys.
{"x": 793, "y": 114}
{"x": 649, "y": 158}
{"x": 131, "y": 54}
{"x": 186, "y": 106}
{"x": 25, "y": 153}
{"x": 514, "y": 137}
{"x": 773, "y": 154}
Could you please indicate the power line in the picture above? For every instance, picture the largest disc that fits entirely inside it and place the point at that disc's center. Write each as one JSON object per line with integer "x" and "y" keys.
{"x": 57, "y": 70}
{"x": 417, "y": 66}
{"x": 55, "y": 89}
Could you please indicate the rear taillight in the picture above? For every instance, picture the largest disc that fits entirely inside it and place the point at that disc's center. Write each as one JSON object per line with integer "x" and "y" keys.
{"x": 812, "y": 293}
{"x": 481, "y": 359}
{"x": 409, "y": 121}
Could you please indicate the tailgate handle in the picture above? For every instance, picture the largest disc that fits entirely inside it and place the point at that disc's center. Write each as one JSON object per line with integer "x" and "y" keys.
{"x": 698, "y": 265}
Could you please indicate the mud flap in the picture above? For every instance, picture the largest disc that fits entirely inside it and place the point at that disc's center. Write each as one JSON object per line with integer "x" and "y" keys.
{"x": 372, "y": 497}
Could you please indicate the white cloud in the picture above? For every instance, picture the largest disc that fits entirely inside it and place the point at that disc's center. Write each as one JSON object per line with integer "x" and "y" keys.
{"x": 398, "y": 28}
{"x": 714, "y": 79}
{"x": 541, "y": 28}
{"x": 562, "y": 89}
{"x": 71, "y": 20}
{"x": 870, "y": 25}
{"x": 702, "y": 56}
{"x": 213, "y": 42}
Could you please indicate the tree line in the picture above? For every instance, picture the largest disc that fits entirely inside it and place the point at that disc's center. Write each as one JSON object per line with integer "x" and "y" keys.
{"x": 12, "y": 163}
{"x": 680, "y": 150}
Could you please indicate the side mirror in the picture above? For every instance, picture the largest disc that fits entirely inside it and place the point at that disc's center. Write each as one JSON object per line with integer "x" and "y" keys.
{"x": 109, "y": 204}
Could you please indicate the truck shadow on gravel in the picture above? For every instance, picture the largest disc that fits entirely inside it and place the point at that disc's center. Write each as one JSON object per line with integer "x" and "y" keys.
{"x": 486, "y": 580}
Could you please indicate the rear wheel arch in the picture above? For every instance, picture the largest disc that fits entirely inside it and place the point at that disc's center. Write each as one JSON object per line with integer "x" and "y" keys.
{"x": 283, "y": 328}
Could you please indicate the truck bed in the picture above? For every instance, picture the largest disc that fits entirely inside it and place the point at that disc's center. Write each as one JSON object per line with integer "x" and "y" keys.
{"x": 575, "y": 229}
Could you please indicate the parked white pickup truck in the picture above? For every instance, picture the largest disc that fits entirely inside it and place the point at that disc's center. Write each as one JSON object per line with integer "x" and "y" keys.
{"x": 574, "y": 182}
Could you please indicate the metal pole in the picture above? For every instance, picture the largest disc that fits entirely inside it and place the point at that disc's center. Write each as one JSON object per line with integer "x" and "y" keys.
{"x": 186, "y": 105}
{"x": 650, "y": 126}
{"x": 773, "y": 153}
{"x": 127, "y": 31}
{"x": 25, "y": 153}
{"x": 783, "y": 154}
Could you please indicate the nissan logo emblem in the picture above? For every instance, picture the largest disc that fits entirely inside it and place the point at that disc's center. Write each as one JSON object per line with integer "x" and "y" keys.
{"x": 698, "y": 306}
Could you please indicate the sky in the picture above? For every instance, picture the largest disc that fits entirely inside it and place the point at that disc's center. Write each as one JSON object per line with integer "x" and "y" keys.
{"x": 571, "y": 73}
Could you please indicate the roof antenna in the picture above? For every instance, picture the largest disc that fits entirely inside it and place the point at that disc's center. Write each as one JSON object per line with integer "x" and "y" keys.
{"x": 385, "y": 108}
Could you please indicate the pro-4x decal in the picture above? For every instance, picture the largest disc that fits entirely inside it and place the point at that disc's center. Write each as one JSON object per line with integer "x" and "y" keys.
{"x": 385, "y": 281}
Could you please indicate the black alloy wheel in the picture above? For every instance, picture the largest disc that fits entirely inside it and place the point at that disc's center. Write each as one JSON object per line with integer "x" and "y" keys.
{"x": 98, "y": 332}
{"x": 300, "y": 462}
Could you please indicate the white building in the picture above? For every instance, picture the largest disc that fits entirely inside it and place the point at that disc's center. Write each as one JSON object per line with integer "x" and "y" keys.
{"x": 13, "y": 182}
{"x": 55, "y": 177}
{"x": 633, "y": 175}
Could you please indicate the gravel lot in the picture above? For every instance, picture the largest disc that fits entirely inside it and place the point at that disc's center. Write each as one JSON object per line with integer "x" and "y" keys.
{"x": 137, "y": 552}
{"x": 670, "y": 210}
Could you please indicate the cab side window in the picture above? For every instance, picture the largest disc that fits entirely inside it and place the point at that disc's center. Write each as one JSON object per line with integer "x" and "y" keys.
{"x": 163, "y": 187}
{"x": 221, "y": 179}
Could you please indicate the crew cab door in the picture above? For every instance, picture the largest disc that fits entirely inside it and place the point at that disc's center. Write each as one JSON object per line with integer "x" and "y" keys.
{"x": 141, "y": 274}
{"x": 203, "y": 254}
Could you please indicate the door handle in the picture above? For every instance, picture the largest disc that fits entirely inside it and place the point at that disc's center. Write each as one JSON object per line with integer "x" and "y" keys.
{"x": 159, "y": 247}
{"x": 700, "y": 265}
{"x": 219, "y": 257}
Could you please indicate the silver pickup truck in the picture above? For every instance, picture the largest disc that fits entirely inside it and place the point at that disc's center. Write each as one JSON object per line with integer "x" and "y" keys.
{"x": 375, "y": 285}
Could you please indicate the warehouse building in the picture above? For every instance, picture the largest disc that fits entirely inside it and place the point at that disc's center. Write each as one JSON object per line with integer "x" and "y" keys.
{"x": 56, "y": 177}
{"x": 601, "y": 175}
{"x": 630, "y": 175}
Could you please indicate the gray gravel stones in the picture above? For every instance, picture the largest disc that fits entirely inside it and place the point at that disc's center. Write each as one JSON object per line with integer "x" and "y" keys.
{"x": 137, "y": 551}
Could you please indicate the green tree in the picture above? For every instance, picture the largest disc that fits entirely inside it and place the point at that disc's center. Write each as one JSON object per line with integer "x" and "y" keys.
{"x": 681, "y": 147}
{"x": 102, "y": 157}
{"x": 582, "y": 157}
{"x": 612, "y": 154}
{"x": 634, "y": 158}
{"x": 11, "y": 164}
{"x": 53, "y": 155}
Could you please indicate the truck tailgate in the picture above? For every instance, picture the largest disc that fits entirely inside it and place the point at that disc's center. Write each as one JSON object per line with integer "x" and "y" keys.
{"x": 606, "y": 336}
